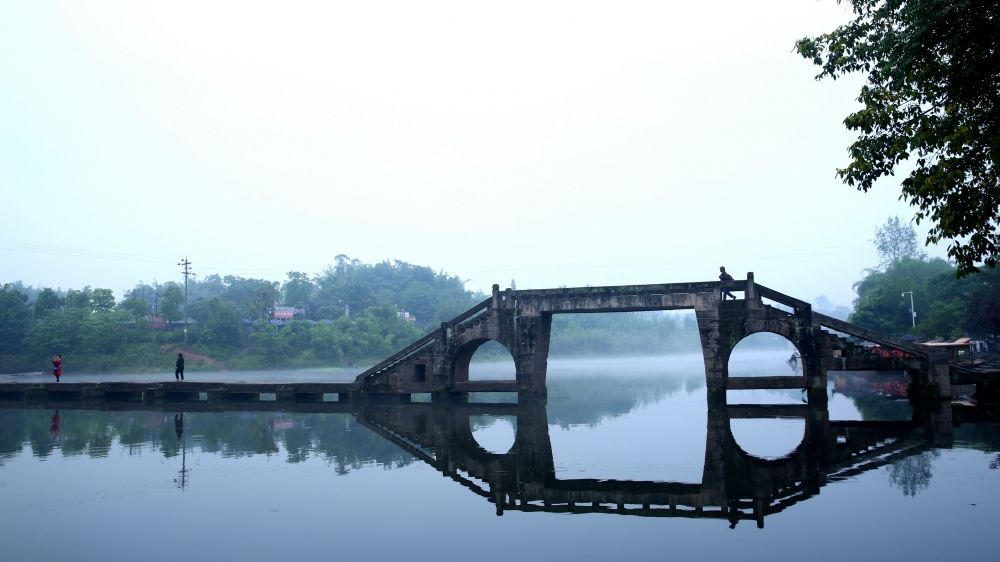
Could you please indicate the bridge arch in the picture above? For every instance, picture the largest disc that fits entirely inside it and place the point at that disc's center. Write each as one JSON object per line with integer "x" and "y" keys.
{"x": 462, "y": 358}
{"x": 774, "y": 365}
{"x": 742, "y": 331}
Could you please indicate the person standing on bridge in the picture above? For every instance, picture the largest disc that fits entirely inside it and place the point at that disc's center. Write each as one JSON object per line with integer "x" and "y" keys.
{"x": 179, "y": 367}
{"x": 725, "y": 278}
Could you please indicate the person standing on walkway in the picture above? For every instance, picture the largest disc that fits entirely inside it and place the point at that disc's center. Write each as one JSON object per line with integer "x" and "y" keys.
{"x": 725, "y": 278}
{"x": 57, "y": 366}
{"x": 179, "y": 367}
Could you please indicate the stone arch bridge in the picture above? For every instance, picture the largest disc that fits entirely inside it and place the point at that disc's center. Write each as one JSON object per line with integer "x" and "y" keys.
{"x": 521, "y": 321}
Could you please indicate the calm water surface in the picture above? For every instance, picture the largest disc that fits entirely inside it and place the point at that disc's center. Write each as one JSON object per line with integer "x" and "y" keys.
{"x": 628, "y": 460}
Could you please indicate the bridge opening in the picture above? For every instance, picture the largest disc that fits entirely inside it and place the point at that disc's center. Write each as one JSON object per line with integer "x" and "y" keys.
{"x": 614, "y": 334}
{"x": 491, "y": 361}
{"x": 494, "y": 434}
{"x": 626, "y": 367}
{"x": 764, "y": 356}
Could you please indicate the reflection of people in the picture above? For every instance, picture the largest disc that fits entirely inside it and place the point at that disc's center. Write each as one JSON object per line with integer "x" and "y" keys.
{"x": 725, "y": 278}
{"x": 54, "y": 424}
{"x": 57, "y": 366}
{"x": 179, "y": 424}
{"x": 179, "y": 369}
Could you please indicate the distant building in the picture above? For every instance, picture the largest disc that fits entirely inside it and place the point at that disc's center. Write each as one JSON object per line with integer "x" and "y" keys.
{"x": 958, "y": 350}
{"x": 282, "y": 315}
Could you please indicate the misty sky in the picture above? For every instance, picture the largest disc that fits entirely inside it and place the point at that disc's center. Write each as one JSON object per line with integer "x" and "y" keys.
{"x": 555, "y": 143}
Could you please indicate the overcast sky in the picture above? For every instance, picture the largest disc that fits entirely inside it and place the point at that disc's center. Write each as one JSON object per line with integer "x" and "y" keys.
{"x": 554, "y": 143}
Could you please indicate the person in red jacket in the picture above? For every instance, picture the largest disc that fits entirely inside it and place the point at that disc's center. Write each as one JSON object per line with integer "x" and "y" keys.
{"x": 57, "y": 366}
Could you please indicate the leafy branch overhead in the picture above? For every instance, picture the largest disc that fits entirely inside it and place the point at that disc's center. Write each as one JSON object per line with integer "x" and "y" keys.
{"x": 932, "y": 100}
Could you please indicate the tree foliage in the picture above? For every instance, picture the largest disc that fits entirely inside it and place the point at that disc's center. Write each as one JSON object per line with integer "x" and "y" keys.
{"x": 47, "y": 301}
{"x": 15, "y": 319}
{"x": 946, "y": 306}
{"x": 171, "y": 302}
{"x": 895, "y": 241}
{"x": 932, "y": 100}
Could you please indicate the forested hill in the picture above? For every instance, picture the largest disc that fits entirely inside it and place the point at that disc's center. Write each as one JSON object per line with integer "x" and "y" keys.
{"x": 352, "y": 313}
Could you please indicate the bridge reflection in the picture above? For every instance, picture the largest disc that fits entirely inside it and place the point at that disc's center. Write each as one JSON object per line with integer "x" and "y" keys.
{"x": 735, "y": 485}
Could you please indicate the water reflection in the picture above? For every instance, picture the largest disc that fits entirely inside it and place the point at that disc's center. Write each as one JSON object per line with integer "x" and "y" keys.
{"x": 183, "y": 473}
{"x": 735, "y": 485}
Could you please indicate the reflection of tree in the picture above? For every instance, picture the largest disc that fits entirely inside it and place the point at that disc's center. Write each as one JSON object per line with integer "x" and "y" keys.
{"x": 332, "y": 437}
{"x": 588, "y": 400}
{"x": 995, "y": 464}
{"x": 912, "y": 475}
{"x": 878, "y": 408}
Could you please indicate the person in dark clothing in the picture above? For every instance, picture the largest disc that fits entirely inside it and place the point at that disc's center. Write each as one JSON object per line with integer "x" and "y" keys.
{"x": 725, "y": 278}
{"x": 179, "y": 368}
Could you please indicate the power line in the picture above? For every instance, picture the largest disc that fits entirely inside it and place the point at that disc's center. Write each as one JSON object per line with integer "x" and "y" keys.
{"x": 76, "y": 252}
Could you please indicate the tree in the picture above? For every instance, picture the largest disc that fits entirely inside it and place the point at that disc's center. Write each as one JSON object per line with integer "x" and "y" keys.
{"x": 135, "y": 305}
{"x": 253, "y": 298}
{"x": 932, "y": 99}
{"x": 895, "y": 241}
{"x": 48, "y": 300}
{"x": 218, "y": 321}
{"x": 57, "y": 332}
{"x": 983, "y": 304}
{"x": 15, "y": 319}
{"x": 78, "y": 300}
{"x": 880, "y": 305}
{"x": 298, "y": 290}
{"x": 172, "y": 302}
{"x": 102, "y": 299}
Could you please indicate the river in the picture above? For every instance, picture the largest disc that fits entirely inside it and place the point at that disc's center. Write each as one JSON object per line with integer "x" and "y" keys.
{"x": 627, "y": 460}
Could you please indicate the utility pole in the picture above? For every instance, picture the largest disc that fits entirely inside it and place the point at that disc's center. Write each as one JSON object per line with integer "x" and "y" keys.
{"x": 913, "y": 314}
{"x": 187, "y": 272}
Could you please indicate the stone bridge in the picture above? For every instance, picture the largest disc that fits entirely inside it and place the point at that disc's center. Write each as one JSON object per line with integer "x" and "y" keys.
{"x": 521, "y": 321}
